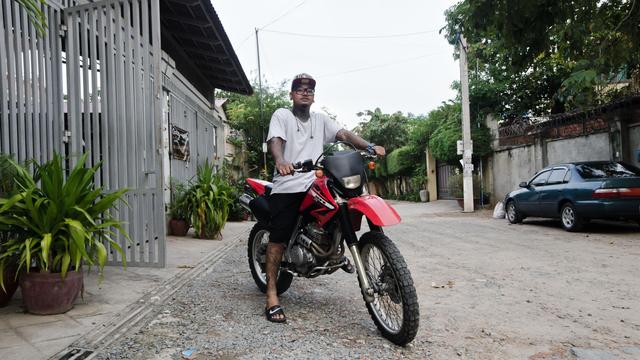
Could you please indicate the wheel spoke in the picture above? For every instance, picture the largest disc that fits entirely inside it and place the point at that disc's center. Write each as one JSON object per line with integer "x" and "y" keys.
{"x": 382, "y": 277}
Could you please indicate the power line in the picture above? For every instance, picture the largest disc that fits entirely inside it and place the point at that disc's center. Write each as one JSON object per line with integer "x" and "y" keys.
{"x": 271, "y": 23}
{"x": 245, "y": 39}
{"x": 281, "y": 16}
{"x": 351, "y": 36}
{"x": 379, "y": 66}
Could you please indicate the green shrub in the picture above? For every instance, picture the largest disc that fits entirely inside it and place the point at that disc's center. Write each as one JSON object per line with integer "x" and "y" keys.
{"x": 61, "y": 222}
{"x": 400, "y": 161}
{"x": 178, "y": 207}
{"x": 236, "y": 211}
{"x": 7, "y": 175}
{"x": 207, "y": 201}
{"x": 456, "y": 185}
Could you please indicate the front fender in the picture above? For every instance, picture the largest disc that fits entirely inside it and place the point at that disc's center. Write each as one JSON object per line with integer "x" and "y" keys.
{"x": 374, "y": 208}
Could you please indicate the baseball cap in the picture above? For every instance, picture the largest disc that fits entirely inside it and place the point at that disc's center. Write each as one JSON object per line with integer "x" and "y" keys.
{"x": 303, "y": 79}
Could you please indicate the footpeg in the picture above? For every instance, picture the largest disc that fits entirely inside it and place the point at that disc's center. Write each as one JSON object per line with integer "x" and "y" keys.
{"x": 348, "y": 267}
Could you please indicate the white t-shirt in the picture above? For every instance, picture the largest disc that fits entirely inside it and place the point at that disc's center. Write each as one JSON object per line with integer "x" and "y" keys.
{"x": 302, "y": 140}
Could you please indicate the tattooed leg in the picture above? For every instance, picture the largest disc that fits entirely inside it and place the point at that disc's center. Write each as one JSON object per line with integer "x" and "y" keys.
{"x": 273, "y": 259}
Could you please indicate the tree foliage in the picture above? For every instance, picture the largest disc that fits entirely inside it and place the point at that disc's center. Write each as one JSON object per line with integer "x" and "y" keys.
{"x": 400, "y": 162}
{"x": 243, "y": 113}
{"x": 389, "y": 130}
{"x": 541, "y": 56}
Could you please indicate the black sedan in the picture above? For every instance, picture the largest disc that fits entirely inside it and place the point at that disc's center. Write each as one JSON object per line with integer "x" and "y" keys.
{"x": 578, "y": 192}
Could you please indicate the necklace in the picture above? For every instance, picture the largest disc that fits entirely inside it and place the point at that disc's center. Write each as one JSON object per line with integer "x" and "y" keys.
{"x": 299, "y": 123}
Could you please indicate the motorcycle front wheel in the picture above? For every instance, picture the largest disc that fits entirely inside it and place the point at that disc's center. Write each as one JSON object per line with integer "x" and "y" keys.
{"x": 395, "y": 309}
{"x": 256, "y": 253}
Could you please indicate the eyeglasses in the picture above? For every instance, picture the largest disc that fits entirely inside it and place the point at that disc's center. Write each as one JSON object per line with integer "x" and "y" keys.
{"x": 304, "y": 91}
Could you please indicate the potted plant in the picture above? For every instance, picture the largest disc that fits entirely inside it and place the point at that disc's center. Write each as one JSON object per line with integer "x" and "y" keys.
{"x": 9, "y": 276}
{"x": 178, "y": 210}
{"x": 236, "y": 211}
{"x": 419, "y": 182}
{"x": 61, "y": 225}
{"x": 208, "y": 200}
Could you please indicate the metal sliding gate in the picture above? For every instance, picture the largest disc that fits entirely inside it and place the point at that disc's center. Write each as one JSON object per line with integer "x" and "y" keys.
{"x": 108, "y": 104}
{"x": 113, "y": 69}
{"x": 31, "y": 96}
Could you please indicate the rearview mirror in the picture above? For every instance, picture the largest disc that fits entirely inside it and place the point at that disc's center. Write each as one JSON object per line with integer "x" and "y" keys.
{"x": 524, "y": 184}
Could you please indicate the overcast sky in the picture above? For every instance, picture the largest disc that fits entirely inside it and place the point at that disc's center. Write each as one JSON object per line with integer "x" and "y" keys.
{"x": 363, "y": 54}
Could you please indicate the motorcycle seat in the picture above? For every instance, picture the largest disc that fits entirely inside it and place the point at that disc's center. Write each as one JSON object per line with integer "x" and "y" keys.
{"x": 267, "y": 189}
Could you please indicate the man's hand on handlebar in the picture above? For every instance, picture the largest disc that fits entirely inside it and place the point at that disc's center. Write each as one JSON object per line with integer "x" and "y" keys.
{"x": 379, "y": 150}
{"x": 284, "y": 168}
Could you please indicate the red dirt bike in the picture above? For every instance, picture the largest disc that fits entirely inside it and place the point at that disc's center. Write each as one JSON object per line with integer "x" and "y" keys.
{"x": 329, "y": 216}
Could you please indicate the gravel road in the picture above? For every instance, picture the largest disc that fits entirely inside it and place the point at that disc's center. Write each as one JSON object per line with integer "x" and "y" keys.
{"x": 487, "y": 290}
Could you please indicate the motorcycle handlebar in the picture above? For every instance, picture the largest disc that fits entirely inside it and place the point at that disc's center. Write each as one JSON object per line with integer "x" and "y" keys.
{"x": 303, "y": 166}
{"x": 368, "y": 155}
{"x": 307, "y": 165}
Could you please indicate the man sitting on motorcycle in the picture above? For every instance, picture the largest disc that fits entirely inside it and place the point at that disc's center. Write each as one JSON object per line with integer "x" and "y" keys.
{"x": 296, "y": 135}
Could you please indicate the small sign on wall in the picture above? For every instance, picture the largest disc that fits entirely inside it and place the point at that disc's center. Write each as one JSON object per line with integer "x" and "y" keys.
{"x": 179, "y": 143}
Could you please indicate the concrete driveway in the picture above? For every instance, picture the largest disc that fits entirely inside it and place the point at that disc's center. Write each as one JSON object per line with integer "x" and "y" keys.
{"x": 487, "y": 290}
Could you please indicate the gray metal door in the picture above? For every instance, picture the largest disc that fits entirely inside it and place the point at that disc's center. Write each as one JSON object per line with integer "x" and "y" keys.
{"x": 115, "y": 112}
{"x": 444, "y": 172}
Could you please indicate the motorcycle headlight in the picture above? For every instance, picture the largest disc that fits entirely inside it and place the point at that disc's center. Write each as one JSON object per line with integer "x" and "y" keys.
{"x": 351, "y": 182}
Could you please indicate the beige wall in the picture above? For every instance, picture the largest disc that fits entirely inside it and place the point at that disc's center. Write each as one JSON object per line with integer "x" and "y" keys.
{"x": 432, "y": 183}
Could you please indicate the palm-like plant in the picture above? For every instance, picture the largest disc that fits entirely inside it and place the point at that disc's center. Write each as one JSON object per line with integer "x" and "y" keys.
{"x": 59, "y": 223}
{"x": 208, "y": 200}
{"x": 35, "y": 14}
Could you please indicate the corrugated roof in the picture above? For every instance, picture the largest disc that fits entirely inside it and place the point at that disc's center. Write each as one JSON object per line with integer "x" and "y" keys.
{"x": 193, "y": 36}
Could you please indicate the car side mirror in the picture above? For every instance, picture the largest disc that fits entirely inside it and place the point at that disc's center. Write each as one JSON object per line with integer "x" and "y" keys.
{"x": 524, "y": 184}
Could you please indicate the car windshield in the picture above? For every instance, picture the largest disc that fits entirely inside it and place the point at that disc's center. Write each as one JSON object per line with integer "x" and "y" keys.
{"x": 607, "y": 170}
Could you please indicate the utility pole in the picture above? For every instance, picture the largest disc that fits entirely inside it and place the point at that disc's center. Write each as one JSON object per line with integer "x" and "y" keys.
{"x": 467, "y": 164}
{"x": 264, "y": 143}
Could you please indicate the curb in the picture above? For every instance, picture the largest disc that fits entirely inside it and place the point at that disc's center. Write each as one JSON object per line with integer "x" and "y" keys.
{"x": 150, "y": 304}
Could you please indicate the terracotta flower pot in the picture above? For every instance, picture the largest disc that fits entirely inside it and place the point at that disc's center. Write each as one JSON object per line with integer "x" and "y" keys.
{"x": 10, "y": 284}
{"x": 178, "y": 227}
{"x": 48, "y": 293}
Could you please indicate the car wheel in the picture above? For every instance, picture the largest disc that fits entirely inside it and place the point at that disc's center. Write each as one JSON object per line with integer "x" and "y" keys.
{"x": 570, "y": 219}
{"x": 513, "y": 214}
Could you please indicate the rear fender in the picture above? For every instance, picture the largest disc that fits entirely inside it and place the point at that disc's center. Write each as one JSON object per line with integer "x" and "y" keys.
{"x": 373, "y": 208}
{"x": 258, "y": 185}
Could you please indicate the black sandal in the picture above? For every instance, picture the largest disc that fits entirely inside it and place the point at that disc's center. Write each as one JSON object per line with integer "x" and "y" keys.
{"x": 275, "y": 310}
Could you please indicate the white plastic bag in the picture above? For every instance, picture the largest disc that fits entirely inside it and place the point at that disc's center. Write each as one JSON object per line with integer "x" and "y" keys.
{"x": 498, "y": 211}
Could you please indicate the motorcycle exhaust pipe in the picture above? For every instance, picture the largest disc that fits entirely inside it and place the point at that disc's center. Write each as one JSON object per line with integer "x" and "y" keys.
{"x": 258, "y": 206}
{"x": 244, "y": 201}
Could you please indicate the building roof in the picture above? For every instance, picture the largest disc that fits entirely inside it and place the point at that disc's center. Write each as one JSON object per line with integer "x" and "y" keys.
{"x": 193, "y": 36}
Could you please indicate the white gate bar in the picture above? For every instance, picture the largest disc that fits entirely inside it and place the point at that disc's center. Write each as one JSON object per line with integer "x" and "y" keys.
{"x": 157, "y": 127}
{"x": 85, "y": 114}
{"x": 104, "y": 108}
{"x": 110, "y": 108}
{"x": 19, "y": 81}
{"x": 4, "y": 89}
{"x": 30, "y": 84}
{"x": 95, "y": 102}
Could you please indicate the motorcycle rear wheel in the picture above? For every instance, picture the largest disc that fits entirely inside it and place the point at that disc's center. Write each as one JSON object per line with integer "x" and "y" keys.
{"x": 256, "y": 250}
{"x": 395, "y": 309}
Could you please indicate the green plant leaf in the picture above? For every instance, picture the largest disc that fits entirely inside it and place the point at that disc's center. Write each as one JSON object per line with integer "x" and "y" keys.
{"x": 45, "y": 245}
{"x": 64, "y": 266}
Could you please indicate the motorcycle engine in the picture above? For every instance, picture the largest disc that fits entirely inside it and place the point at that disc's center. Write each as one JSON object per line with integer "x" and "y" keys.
{"x": 318, "y": 236}
{"x": 301, "y": 257}
{"x": 300, "y": 253}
